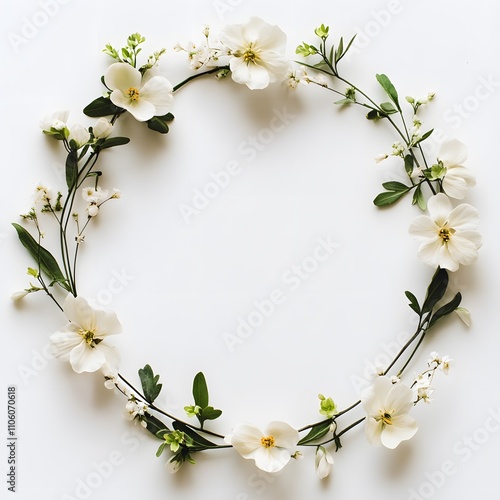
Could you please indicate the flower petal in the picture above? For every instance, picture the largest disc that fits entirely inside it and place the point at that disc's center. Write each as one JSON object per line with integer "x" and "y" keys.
{"x": 462, "y": 250}
{"x": 78, "y": 311}
{"x": 64, "y": 341}
{"x": 464, "y": 217}
{"x": 284, "y": 435}
{"x": 107, "y": 323}
{"x": 399, "y": 399}
{"x": 452, "y": 153}
{"x": 251, "y": 75}
{"x": 84, "y": 358}
{"x": 373, "y": 431}
{"x": 113, "y": 358}
{"x": 158, "y": 91}
{"x": 271, "y": 459}
{"x": 403, "y": 427}
{"x": 429, "y": 252}
{"x": 439, "y": 207}
{"x": 246, "y": 439}
{"x": 424, "y": 227}
{"x": 121, "y": 76}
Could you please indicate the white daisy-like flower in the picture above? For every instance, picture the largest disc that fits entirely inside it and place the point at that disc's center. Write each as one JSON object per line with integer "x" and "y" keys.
{"x": 449, "y": 237}
{"x": 94, "y": 194}
{"x": 83, "y": 341}
{"x": 271, "y": 449}
{"x": 456, "y": 178}
{"x": 323, "y": 462}
{"x": 43, "y": 194}
{"x": 135, "y": 410}
{"x": 387, "y": 406}
{"x": 258, "y": 53}
{"x": 142, "y": 96}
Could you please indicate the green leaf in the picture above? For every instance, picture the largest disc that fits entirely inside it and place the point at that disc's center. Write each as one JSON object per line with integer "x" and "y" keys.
{"x": 418, "y": 198}
{"x": 71, "y": 169}
{"x": 395, "y": 186}
{"x": 150, "y": 385}
{"x": 111, "y": 142}
{"x": 413, "y": 302}
{"x": 102, "y": 106}
{"x": 424, "y": 137}
{"x": 373, "y": 114}
{"x": 316, "y": 432}
{"x": 436, "y": 290}
{"x": 161, "y": 449}
{"x": 340, "y": 50}
{"x": 210, "y": 413}
{"x": 388, "y": 198}
{"x": 409, "y": 164}
{"x": 160, "y": 123}
{"x": 44, "y": 259}
{"x": 344, "y": 101}
{"x": 446, "y": 309}
{"x": 197, "y": 439}
{"x": 388, "y": 108}
{"x": 389, "y": 88}
{"x": 200, "y": 390}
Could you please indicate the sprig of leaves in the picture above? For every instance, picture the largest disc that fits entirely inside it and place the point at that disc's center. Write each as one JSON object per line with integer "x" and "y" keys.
{"x": 201, "y": 408}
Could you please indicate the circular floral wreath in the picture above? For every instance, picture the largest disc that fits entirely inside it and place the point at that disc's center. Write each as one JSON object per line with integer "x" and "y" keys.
{"x": 252, "y": 54}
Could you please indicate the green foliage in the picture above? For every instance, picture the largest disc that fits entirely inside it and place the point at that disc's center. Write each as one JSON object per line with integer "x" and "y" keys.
{"x": 395, "y": 190}
{"x": 71, "y": 169}
{"x": 44, "y": 259}
{"x": 201, "y": 400}
{"x": 389, "y": 88}
{"x": 446, "y": 309}
{"x": 160, "y": 123}
{"x": 436, "y": 290}
{"x": 150, "y": 385}
{"x": 316, "y": 432}
{"x": 102, "y": 106}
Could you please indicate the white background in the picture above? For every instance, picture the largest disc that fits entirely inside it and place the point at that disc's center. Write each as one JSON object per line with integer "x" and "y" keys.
{"x": 185, "y": 285}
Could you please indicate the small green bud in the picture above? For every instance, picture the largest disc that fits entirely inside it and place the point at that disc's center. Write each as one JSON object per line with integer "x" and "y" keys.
{"x": 322, "y": 31}
{"x": 438, "y": 171}
{"x": 327, "y": 406}
{"x": 33, "y": 272}
{"x": 306, "y": 50}
{"x": 410, "y": 99}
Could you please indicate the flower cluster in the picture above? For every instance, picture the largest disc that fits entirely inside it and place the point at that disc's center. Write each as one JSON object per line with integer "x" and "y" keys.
{"x": 254, "y": 54}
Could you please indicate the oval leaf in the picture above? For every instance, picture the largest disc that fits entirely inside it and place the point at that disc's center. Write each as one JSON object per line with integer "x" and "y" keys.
{"x": 200, "y": 390}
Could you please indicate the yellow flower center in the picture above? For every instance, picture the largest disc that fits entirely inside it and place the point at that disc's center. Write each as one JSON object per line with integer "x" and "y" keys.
{"x": 386, "y": 418}
{"x": 267, "y": 442}
{"x": 445, "y": 234}
{"x": 250, "y": 56}
{"x": 132, "y": 93}
{"x": 88, "y": 336}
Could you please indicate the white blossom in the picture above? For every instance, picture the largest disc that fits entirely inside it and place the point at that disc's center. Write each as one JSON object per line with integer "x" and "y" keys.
{"x": 323, "y": 462}
{"x": 142, "y": 96}
{"x": 448, "y": 237}
{"x": 257, "y": 52}
{"x": 271, "y": 449}
{"x": 387, "y": 406}
{"x": 84, "y": 340}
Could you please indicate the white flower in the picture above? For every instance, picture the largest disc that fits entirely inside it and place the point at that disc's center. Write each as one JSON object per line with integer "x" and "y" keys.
{"x": 19, "y": 295}
{"x": 43, "y": 194}
{"x": 424, "y": 394}
{"x": 79, "y": 134}
{"x": 83, "y": 341}
{"x": 271, "y": 450}
{"x": 381, "y": 157}
{"x": 102, "y": 128}
{"x": 142, "y": 97}
{"x": 387, "y": 406}
{"x": 449, "y": 237}
{"x": 446, "y": 364}
{"x": 135, "y": 410}
{"x": 323, "y": 462}
{"x": 57, "y": 121}
{"x": 94, "y": 195}
{"x": 295, "y": 77}
{"x": 456, "y": 178}
{"x": 258, "y": 51}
